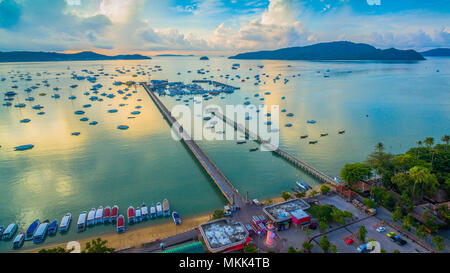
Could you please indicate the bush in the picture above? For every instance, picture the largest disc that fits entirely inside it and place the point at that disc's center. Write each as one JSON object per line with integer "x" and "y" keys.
{"x": 285, "y": 195}
{"x": 218, "y": 214}
{"x": 324, "y": 189}
{"x": 369, "y": 203}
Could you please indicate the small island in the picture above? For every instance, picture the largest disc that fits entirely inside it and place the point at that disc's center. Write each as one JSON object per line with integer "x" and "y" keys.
{"x": 33, "y": 56}
{"x": 334, "y": 51}
{"x": 437, "y": 52}
{"x": 204, "y": 58}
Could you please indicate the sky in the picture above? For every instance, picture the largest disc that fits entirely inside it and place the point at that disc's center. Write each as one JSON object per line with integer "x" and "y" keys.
{"x": 218, "y": 26}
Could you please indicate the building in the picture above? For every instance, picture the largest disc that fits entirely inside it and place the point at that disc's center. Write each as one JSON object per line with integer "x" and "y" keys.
{"x": 224, "y": 235}
{"x": 285, "y": 213}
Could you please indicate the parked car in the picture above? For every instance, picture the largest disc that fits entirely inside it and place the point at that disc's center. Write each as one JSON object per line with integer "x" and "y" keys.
{"x": 349, "y": 241}
{"x": 399, "y": 241}
{"x": 381, "y": 229}
{"x": 390, "y": 234}
{"x": 313, "y": 226}
{"x": 363, "y": 249}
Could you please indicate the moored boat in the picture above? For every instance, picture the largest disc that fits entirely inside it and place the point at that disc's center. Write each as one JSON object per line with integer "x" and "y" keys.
{"x": 176, "y": 218}
{"x": 303, "y": 186}
{"x": 131, "y": 215}
{"x": 114, "y": 213}
{"x": 144, "y": 211}
{"x": 138, "y": 214}
{"x": 91, "y": 217}
{"x": 107, "y": 214}
{"x": 153, "y": 211}
{"x": 81, "y": 224}
{"x": 9, "y": 231}
{"x": 18, "y": 241}
{"x": 53, "y": 227}
{"x": 99, "y": 215}
{"x": 41, "y": 232}
{"x": 120, "y": 225}
{"x": 31, "y": 229}
{"x": 166, "y": 207}
{"x": 65, "y": 222}
{"x": 159, "y": 211}
{"x": 24, "y": 147}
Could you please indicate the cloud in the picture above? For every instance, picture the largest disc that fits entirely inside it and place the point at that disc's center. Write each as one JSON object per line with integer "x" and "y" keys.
{"x": 10, "y": 13}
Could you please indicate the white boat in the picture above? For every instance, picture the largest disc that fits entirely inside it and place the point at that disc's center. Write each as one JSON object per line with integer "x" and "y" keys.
{"x": 65, "y": 222}
{"x": 138, "y": 215}
{"x": 144, "y": 211}
{"x": 81, "y": 224}
{"x": 91, "y": 217}
{"x": 166, "y": 207}
{"x": 153, "y": 211}
{"x": 159, "y": 211}
{"x": 176, "y": 218}
{"x": 99, "y": 215}
{"x": 9, "y": 232}
{"x": 41, "y": 232}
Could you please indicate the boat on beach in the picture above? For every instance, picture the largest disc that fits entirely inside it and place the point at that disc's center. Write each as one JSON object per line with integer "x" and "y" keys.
{"x": 138, "y": 214}
{"x": 176, "y": 218}
{"x": 159, "y": 211}
{"x": 81, "y": 224}
{"x": 131, "y": 215}
{"x": 53, "y": 227}
{"x": 9, "y": 231}
{"x": 166, "y": 207}
{"x": 107, "y": 215}
{"x": 99, "y": 215}
{"x": 91, "y": 217}
{"x": 114, "y": 213}
{"x": 144, "y": 211}
{"x": 18, "y": 241}
{"x": 41, "y": 232}
{"x": 303, "y": 186}
{"x": 120, "y": 225}
{"x": 31, "y": 229}
{"x": 153, "y": 212}
{"x": 65, "y": 223}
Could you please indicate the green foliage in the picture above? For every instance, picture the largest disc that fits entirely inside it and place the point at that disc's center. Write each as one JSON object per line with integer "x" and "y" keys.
{"x": 98, "y": 246}
{"x": 328, "y": 214}
{"x": 369, "y": 203}
{"x": 362, "y": 232}
{"x": 352, "y": 173}
{"x": 333, "y": 249}
{"x": 421, "y": 233}
{"x": 292, "y": 249}
{"x": 396, "y": 251}
{"x": 439, "y": 242}
{"x": 324, "y": 243}
{"x": 313, "y": 193}
{"x": 250, "y": 248}
{"x": 300, "y": 194}
{"x": 397, "y": 215}
{"x": 55, "y": 250}
{"x": 323, "y": 225}
{"x": 285, "y": 195}
{"x": 324, "y": 189}
{"x": 307, "y": 246}
{"x": 218, "y": 214}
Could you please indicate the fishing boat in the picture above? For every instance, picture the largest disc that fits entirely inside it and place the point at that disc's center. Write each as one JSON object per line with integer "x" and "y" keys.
{"x": 107, "y": 215}
{"x": 311, "y": 121}
{"x": 91, "y": 217}
{"x": 153, "y": 211}
{"x": 114, "y": 213}
{"x": 41, "y": 232}
{"x": 166, "y": 207}
{"x": 99, "y": 215}
{"x": 138, "y": 214}
{"x": 241, "y": 142}
{"x": 144, "y": 211}
{"x": 31, "y": 229}
{"x": 303, "y": 185}
{"x": 341, "y": 132}
{"x": 303, "y": 137}
{"x": 159, "y": 211}
{"x": 253, "y": 149}
{"x": 120, "y": 225}
{"x": 24, "y": 147}
{"x": 131, "y": 215}
{"x": 324, "y": 134}
{"x": 9, "y": 231}
{"x": 53, "y": 227}
{"x": 176, "y": 218}
{"x": 313, "y": 142}
{"x": 18, "y": 241}
{"x": 65, "y": 223}
{"x": 81, "y": 224}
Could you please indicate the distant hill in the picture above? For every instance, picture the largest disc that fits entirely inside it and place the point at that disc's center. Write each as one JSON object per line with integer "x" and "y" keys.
{"x": 31, "y": 56}
{"x": 333, "y": 51}
{"x": 173, "y": 55}
{"x": 437, "y": 52}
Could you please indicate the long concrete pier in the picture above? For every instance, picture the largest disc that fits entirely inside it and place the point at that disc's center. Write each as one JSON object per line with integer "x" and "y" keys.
{"x": 227, "y": 189}
{"x": 276, "y": 150}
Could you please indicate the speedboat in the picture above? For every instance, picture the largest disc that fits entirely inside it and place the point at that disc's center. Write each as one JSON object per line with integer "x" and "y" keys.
{"x": 114, "y": 213}
{"x": 153, "y": 211}
{"x": 41, "y": 232}
{"x": 144, "y": 211}
{"x": 65, "y": 223}
{"x": 81, "y": 224}
{"x": 107, "y": 215}
{"x": 9, "y": 232}
{"x": 120, "y": 225}
{"x": 138, "y": 214}
{"x": 311, "y": 121}
{"x": 341, "y": 132}
{"x": 24, "y": 147}
{"x": 159, "y": 211}
{"x": 253, "y": 149}
{"x": 303, "y": 185}
{"x": 304, "y": 136}
{"x": 53, "y": 227}
{"x": 91, "y": 217}
{"x": 31, "y": 229}
{"x": 324, "y": 134}
{"x": 131, "y": 215}
{"x": 166, "y": 207}
{"x": 176, "y": 218}
{"x": 18, "y": 241}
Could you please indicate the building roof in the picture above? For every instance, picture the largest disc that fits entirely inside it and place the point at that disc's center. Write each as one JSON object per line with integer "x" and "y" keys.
{"x": 282, "y": 211}
{"x": 222, "y": 234}
{"x": 299, "y": 214}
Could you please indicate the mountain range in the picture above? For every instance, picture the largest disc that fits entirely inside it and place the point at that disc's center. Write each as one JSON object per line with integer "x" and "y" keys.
{"x": 32, "y": 56}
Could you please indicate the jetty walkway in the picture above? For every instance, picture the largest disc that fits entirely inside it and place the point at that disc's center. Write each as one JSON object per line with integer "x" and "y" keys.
{"x": 227, "y": 189}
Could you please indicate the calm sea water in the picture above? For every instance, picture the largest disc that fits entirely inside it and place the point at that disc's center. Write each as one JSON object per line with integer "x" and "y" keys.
{"x": 395, "y": 103}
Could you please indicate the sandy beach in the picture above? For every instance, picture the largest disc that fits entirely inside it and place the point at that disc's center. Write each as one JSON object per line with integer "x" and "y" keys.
{"x": 137, "y": 237}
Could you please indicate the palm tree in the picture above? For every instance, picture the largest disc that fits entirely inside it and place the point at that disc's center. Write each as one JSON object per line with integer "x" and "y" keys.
{"x": 429, "y": 141}
{"x": 446, "y": 139}
{"x": 419, "y": 143}
{"x": 379, "y": 147}
{"x": 419, "y": 175}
